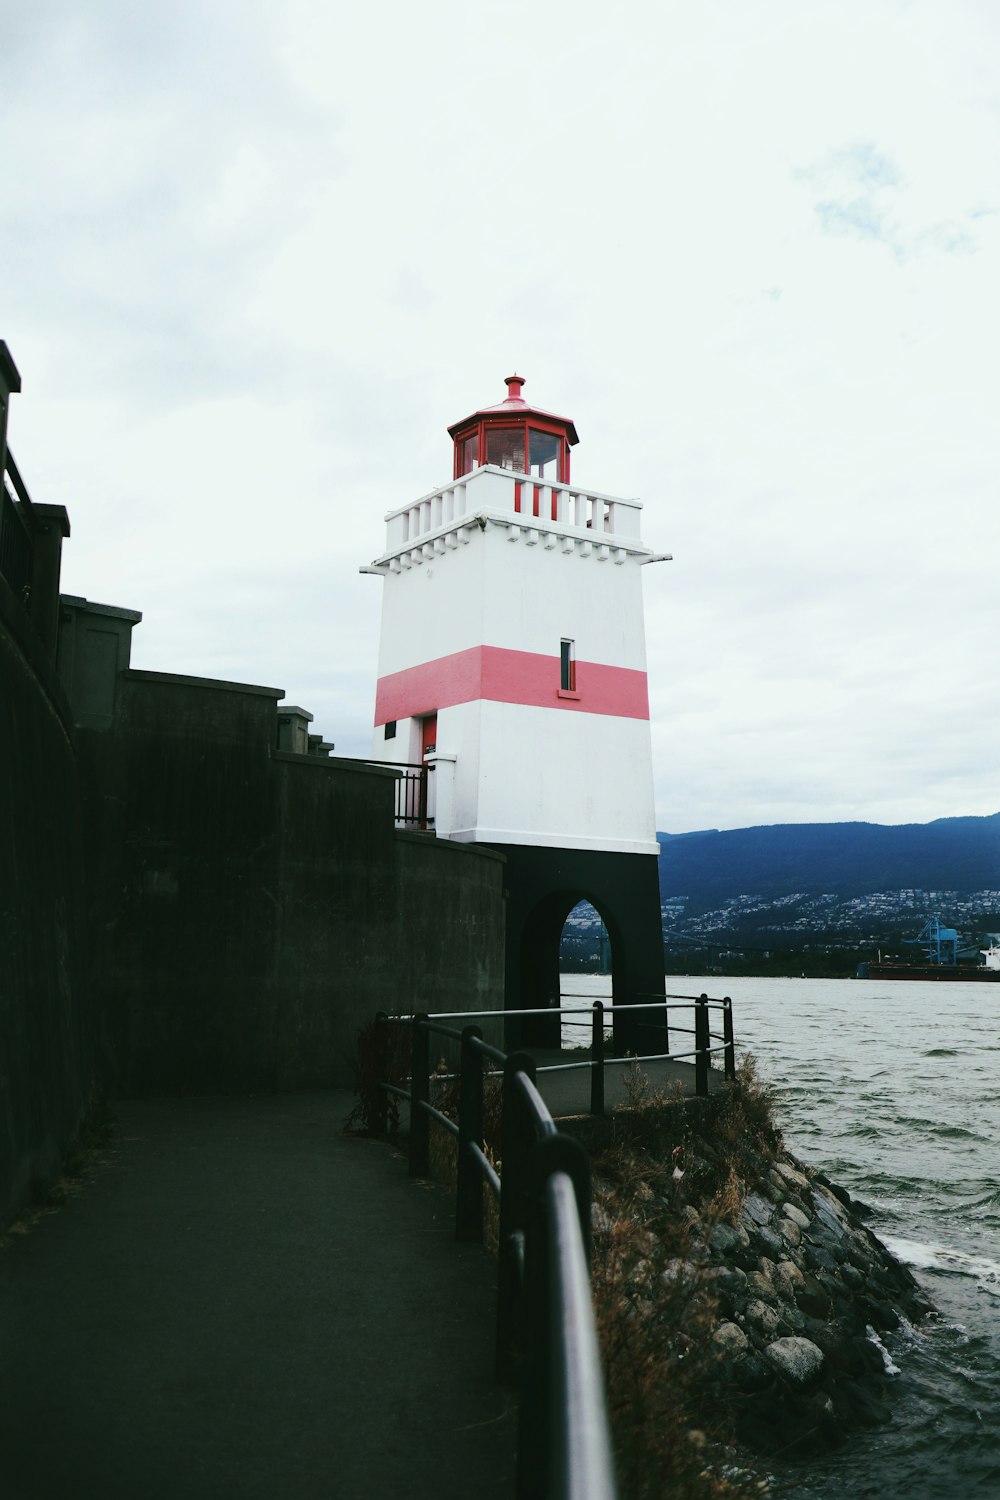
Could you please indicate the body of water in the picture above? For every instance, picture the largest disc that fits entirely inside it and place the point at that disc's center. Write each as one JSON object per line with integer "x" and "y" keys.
{"x": 893, "y": 1089}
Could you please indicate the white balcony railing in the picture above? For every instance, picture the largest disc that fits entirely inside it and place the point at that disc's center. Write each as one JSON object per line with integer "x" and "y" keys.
{"x": 517, "y": 499}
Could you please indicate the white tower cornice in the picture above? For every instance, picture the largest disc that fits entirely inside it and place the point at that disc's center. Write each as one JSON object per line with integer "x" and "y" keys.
{"x": 545, "y": 513}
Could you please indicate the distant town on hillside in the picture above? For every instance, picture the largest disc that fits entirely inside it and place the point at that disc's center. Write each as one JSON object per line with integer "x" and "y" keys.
{"x": 813, "y": 898}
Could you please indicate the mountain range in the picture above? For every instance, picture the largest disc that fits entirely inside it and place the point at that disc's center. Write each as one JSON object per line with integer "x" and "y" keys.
{"x": 709, "y": 868}
{"x": 817, "y": 898}
{"x": 820, "y": 897}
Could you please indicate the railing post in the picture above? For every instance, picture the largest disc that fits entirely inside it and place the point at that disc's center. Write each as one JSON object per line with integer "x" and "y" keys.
{"x": 518, "y": 1138}
{"x": 469, "y": 1189}
{"x": 535, "y": 1418}
{"x": 420, "y": 1093}
{"x": 597, "y": 1060}
{"x": 727, "y": 1037}
{"x": 702, "y": 1043}
{"x": 380, "y": 1066}
{"x": 422, "y": 798}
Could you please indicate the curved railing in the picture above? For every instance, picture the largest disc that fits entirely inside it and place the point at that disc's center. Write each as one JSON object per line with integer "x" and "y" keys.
{"x": 546, "y": 1337}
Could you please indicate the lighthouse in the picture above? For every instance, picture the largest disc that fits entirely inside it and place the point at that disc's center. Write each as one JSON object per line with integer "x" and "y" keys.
{"x": 512, "y": 692}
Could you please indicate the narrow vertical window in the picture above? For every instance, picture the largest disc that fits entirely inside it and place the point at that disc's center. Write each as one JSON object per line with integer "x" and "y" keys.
{"x": 567, "y": 666}
{"x": 390, "y": 729}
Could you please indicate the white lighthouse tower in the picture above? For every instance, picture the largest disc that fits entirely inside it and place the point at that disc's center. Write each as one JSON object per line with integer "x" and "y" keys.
{"x": 512, "y": 666}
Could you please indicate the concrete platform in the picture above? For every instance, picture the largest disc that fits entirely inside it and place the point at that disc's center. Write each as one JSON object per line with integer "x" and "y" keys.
{"x": 244, "y": 1303}
{"x": 567, "y": 1092}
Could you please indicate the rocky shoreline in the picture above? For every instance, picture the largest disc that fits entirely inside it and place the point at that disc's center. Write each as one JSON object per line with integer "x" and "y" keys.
{"x": 804, "y": 1289}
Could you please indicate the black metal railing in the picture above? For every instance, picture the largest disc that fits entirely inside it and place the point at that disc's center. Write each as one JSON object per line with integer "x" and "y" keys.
{"x": 411, "y": 794}
{"x": 707, "y": 1043}
{"x": 546, "y": 1335}
{"x": 411, "y": 807}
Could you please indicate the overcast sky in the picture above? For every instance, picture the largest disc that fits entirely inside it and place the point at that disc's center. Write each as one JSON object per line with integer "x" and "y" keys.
{"x": 255, "y": 258}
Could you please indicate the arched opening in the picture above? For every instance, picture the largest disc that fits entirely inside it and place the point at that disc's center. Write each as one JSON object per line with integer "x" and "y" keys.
{"x": 585, "y": 945}
{"x": 585, "y": 972}
{"x": 543, "y": 888}
{"x": 568, "y": 950}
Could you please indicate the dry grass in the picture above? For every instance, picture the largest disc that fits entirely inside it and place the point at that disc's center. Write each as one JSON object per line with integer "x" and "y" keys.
{"x": 89, "y": 1152}
{"x": 674, "y": 1168}
{"x": 383, "y": 1053}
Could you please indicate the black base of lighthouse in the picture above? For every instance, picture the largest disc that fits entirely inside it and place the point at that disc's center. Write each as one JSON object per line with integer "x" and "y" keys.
{"x": 542, "y": 886}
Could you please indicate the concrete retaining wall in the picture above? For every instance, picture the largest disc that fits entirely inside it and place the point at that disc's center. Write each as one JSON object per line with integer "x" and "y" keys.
{"x": 46, "y": 1034}
{"x": 185, "y": 908}
{"x": 260, "y": 906}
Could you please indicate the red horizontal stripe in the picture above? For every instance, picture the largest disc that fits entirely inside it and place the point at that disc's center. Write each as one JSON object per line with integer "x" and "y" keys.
{"x": 503, "y": 676}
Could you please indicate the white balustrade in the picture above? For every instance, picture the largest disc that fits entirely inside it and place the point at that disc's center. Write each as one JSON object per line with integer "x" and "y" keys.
{"x": 539, "y": 506}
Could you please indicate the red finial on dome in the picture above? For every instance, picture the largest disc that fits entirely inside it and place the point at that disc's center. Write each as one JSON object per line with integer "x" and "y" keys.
{"x": 514, "y": 384}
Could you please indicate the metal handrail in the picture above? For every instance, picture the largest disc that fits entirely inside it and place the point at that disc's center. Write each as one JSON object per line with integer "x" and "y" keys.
{"x": 702, "y": 1052}
{"x": 411, "y": 789}
{"x": 566, "y": 1010}
{"x": 546, "y": 1331}
{"x": 583, "y": 1462}
{"x": 542, "y": 1120}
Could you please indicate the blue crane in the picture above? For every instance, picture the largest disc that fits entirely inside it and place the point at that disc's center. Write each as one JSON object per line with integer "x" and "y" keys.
{"x": 940, "y": 944}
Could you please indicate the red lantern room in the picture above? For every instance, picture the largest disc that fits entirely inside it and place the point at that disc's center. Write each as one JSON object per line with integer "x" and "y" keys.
{"x": 514, "y": 435}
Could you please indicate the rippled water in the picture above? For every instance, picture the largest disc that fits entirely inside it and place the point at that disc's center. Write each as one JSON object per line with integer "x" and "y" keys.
{"x": 893, "y": 1089}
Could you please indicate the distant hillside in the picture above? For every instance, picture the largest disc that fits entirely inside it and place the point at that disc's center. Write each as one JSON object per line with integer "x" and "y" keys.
{"x": 843, "y": 859}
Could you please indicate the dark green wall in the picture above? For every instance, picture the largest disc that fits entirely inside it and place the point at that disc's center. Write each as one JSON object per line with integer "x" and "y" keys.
{"x": 46, "y": 1036}
{"x": 259, "y": 906}
{"x": 186, "y": 909}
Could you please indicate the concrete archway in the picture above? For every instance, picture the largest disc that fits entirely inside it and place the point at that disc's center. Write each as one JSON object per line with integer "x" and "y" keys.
{"x": 543, "y": 886}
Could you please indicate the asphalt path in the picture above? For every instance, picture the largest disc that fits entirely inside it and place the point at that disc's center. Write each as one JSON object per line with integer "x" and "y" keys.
{"x": 240, "y": 1301}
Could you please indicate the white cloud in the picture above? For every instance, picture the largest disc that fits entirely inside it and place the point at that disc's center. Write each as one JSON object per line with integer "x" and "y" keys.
{"x": 256, "y": 260}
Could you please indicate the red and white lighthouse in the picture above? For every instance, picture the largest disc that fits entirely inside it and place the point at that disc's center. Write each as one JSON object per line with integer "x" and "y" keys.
{"x": 512, "y": 663}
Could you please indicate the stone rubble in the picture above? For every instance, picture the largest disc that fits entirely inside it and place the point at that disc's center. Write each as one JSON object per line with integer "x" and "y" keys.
{"x": 803, "y": 1287}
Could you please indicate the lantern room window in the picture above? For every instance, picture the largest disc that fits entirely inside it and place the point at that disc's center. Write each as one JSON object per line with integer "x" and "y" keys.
{"x": 505, "y": 448}
{"x": 543, "y": 454}
{"x": 468, "y": 454}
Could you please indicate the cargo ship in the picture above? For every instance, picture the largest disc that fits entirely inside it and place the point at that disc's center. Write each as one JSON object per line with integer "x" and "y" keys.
{"x": 940, "y": 946}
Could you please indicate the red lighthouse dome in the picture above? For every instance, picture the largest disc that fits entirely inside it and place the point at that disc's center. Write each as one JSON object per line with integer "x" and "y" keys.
{"x": 514, "y": 435}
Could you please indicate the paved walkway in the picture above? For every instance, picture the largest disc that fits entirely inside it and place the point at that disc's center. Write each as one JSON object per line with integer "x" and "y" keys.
{"x": 244, "y": 1303}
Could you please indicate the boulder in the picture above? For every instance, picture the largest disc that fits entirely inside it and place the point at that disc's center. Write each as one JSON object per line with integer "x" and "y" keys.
{"x": 796, "y": 1359}
{"x": 812, "y": 1298}
{"x": 752, "y": 1373}
{"x": 790, "y": 1232}
{"x": 787, "y": 1273}
{"x": 796, "y": 1215}
{"x": 730, "y": 1279}
{"x": 762, "y": 1286}
{"x": 763, "y": 1317}
{"x": 791, "y": 1175}
{"x": 725, "y": 1240}
{"x": 758, "y": 1209}
{"x": 792, "y": 1320}
{"x": 731, "y": 1340}
{"x": 818, "y": 1259}
{"x": 769, "y": 1243}
{"x": 829, "y": 1214}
